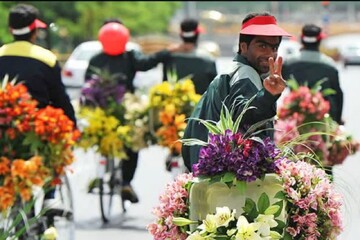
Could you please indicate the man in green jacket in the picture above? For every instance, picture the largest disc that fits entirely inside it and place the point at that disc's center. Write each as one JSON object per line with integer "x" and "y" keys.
{"x": 255, "y": 74}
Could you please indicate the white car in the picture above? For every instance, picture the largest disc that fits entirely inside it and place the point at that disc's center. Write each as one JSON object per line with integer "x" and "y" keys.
{"x": 73, "y": 71}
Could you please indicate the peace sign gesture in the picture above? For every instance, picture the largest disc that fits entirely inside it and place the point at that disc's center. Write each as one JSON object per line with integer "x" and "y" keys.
{"x": 274, "y": 83}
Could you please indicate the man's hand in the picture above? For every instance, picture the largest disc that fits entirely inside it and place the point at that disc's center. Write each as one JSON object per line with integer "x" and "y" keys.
{"x": 274, "y": 83}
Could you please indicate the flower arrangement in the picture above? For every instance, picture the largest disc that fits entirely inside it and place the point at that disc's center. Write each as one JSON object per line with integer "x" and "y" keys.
{"x": 312, "y": 202}
{"x": 306, "y": 206}
{"x": 171, "y": 103}
{"x": 36, "y": 144}
{"x": 102, "y": 91}
{"x": 112, "y": 118}
{"x": 103, "y": 131}
{"x": 136, "y": 117}
{"x": 304, "y": 122}
{"x": 225, "y": 225}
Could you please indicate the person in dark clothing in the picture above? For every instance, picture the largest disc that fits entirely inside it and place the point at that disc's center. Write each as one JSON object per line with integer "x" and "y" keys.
{"x": 124, "y": 64}
{"x": 254, "y": 74}
{"x": 37, "y": 67}
{"x": 191, "y": 61}
{"x": 311, "y": 65}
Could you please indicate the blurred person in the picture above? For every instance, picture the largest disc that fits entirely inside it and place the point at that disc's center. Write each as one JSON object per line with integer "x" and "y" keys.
{"x": 36, "y": 66}
{"x": 311, "y": 65}
{"x": 124, "y": 64}
{"x": 191, "y": 61}
{"x": 255, "y": 73}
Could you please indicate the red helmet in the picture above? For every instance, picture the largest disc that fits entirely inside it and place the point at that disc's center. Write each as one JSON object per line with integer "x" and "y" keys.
{"x": 113, "y": 37}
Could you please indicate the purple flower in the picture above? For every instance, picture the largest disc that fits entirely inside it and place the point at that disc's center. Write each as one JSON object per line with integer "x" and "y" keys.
{"x": 246, "y": 158}
{"x": 97, "y": 92}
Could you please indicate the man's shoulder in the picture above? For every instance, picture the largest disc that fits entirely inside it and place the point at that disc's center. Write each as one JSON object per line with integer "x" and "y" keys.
{"x": 28, "y": 50}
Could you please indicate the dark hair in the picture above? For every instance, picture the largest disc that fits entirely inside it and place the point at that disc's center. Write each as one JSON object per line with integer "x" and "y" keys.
{"x": 311, "y": 30}
{"x": 248, "y": 38}
{"x": 112, "y": 20}
{"x": 188, "y": 25}
{"x": 20, "y": 16}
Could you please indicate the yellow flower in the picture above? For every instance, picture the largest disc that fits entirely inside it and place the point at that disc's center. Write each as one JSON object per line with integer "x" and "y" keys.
{"x": 50, "y": 234}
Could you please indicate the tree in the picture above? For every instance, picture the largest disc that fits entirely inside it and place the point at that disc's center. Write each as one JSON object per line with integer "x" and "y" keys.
{"x": 80, "y": 21}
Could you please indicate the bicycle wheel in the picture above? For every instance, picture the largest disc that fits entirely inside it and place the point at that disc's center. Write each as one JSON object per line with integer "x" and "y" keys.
{"x": 107, "y": 189}
{"x": 64, "y": 222}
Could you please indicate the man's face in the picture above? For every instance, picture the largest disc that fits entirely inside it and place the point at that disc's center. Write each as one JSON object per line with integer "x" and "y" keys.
{"x": 260, "y": 49}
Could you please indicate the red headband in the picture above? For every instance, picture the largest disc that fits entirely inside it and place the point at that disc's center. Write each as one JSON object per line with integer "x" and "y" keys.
{"x": 188, "y": 34}
{"x": 35, "y": 24}
{"x": 263, "y": 26}
{"x": 260, "y": 20}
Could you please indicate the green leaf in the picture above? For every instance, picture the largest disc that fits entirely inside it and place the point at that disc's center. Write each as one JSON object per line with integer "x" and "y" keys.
{"x": 228, "y": 177}
{"x": 250, "y": 205}
{"x": 241, "y": 186}
{"x": 280, "y": 195}
{"x": 193, "y": 141}
{"x": 215, "y": 179}
{"x": 287, "y": 236}
{"x": 246, "y": 108}
{"x": 292, "y": 83}
{"x": 180, "y": 221}
{"x": 211, "y": 127}
{"x": 328, "y": 91}
{"x": 222, "y": 123}
{"x": 272, "y": 209}
{"x": 263, "y": 203}
{"x": 281, "y": 205}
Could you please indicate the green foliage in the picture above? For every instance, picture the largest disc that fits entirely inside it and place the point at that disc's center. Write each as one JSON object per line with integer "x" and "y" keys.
{"x": 80, "y": 20}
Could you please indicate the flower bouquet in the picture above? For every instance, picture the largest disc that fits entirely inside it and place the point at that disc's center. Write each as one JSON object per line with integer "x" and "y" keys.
{"x": 112, "y": 118}
{"x": 36, "y": 144}
{"x": 304, "y": 122}
{"x": 244, "y": 187}
{"x": 171, "y": 102}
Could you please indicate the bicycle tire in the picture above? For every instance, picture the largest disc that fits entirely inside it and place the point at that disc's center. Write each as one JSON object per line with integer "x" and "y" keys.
{"x": 65, "y": 223}
{"x": 106, "y": 190}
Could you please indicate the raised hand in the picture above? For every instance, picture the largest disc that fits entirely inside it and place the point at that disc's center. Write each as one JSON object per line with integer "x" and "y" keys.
{"x": 274, "y": 83}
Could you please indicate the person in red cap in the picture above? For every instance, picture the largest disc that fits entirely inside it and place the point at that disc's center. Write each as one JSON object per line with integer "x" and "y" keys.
{"x": 36, "y": 66}
{"x": 311, "y": 65}
{"x": 256, "y": 73}
{"x": 192, "y": 61}
{"x": 123, "y": 64}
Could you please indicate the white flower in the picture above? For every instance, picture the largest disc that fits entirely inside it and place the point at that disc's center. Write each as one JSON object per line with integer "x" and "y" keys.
{"x": 50, "y": 234}
{"x": 265, "y": 223}
{"x": 246, "y": 230}
{"x": 209, "y": 224}
{"x": 224, "y": 216}
{"x": 195, "y": 236}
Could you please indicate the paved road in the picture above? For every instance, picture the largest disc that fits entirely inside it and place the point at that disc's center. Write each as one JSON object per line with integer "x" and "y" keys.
{"x": 151, "y": 178}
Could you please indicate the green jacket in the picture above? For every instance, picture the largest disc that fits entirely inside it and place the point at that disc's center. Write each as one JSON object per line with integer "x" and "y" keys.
{"x": 232, "y": 89}
{"x": 200, "y": 67}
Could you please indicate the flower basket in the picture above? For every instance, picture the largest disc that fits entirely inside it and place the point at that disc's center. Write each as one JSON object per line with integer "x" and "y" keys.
{"x": 244, "y": 187}
{"x": 205, "y": 197}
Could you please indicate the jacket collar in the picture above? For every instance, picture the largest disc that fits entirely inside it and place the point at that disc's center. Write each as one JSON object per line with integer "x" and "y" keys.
{"x": 241, "y": 59}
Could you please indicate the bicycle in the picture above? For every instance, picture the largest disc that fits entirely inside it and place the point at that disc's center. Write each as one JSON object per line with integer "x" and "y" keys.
{"x": 107, "y": 184}
{"x": 30, "y": 220}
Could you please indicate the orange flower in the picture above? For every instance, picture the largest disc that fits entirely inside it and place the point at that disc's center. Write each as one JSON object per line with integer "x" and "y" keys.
{"x": 7, "y": 197}
{"x": 4, "y": 165}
